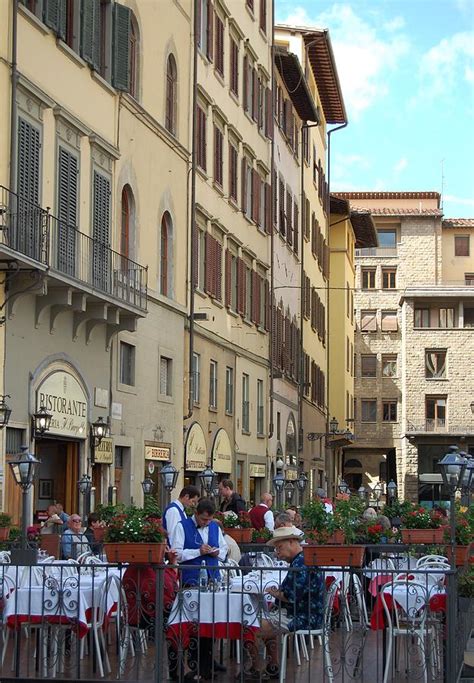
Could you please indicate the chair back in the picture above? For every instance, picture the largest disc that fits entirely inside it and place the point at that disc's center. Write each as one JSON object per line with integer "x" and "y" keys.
{"x": 5, "y": 557}
{"x": 410, "y": 604}
{"x": 360, "y": 600}
{"x": 427, "y": 559}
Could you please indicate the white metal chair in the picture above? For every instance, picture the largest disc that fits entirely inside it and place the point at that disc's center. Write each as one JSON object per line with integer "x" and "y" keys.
{"x": 432, "y": 558}
{"x": 5, "y": 557}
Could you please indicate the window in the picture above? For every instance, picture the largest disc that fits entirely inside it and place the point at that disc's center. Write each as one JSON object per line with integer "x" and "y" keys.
{"x": 219, "y": 46}
{"x": 435, "y": 364}
{"x": 368, "y": 321}
{"x": 213, "y": 384}
{"x": 468, "y": 317}
{"x": 171, "y": 94}
{"x": 368, "y": 365}
{"x": 387, "y": 238}
{"x": 200, "y": 259}
{"x": 68, "y": 182}
{"x": 230, "y": 280}
{"x": 422, "y": 317}
{"x": 389, "y": 321}
{"x": 127, "y": 364}
{"x": 389, "y": 411}
{"x": 229, "y": 390}
{"x": 348, "y": 352}
{"x": 218, "y": 155}
{"x": 126, "y": 224}
{"x": 369, "y": 410}
{"x": 389, "y": 365}
{"x": 263, "y": 15}
{"x": 100, "y": 230}
{"x": 446, "y": 317}
{"x": 201, "y": 139}
{"x": 249, "y": 4}
{"x": 196, "y": 377}
{"x": 245, "y": 404}
{"x": 248, "y": 293}
{"x": 133, "y": 57}
{"x": 469, "y": 279}
{"x": 165, "y": 255}
{"x": 260, "y": 415}
{"x": 435, "y": 407}
{"x": 461, "y": 245}
{"x": 233, "y": 172}
{"x": 166, "y": 376}
{"x": 389, "y": 278}
{"x": 368, "y": 278}
{"x": 234, "y": 66}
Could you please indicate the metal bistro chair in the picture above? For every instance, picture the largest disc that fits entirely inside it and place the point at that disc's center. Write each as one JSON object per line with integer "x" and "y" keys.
{"x": 428, "y": 559}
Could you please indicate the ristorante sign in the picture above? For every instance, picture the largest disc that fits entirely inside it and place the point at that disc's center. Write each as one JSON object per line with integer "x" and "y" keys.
{"x": 62, "y": 396}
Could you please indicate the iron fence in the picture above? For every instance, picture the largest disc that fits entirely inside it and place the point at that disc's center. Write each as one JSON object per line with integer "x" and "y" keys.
{"x": 389, "y": 621}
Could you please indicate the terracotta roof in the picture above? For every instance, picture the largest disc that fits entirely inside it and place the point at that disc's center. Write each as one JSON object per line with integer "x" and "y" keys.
{"x": 458, "y": 223}
{"x": 292, "y": 74}
{"x": 388, "y": 211}
{"x": 338, "y": 204}
{"x": 389, "y": 195}
{"x": 323, "y": 64}
{"x": 361, "y": 219}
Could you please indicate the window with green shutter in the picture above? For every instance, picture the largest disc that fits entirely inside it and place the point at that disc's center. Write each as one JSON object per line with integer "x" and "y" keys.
{"x": 54, "y": 16}
{"x": 101, "y": 231}
{"x": 91, "y": 32}
{"x": 68, "y": 170}
{"x": 26, "y": 234}
{"x": 121, "y": 47}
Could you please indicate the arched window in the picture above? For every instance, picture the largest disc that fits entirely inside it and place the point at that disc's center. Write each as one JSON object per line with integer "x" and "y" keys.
{"x": 171, "y": 94}
{"x": 165, "y": 255}
{"x": 133, "y": 57}
{"x": 127, "y": 223}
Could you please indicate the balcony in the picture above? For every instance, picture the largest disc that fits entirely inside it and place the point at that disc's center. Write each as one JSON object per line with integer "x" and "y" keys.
{"x": 437, "y": 425}
{"x": 377, "y": 251}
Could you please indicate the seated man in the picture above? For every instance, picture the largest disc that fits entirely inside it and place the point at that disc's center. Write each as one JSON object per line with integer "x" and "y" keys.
{"x": 73, "y": 541}
{"x": 301, "y": 593}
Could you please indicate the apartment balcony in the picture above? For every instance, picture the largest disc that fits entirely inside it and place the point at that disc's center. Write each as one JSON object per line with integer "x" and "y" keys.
{"x": 437, "y": 426}
{"x": 380, "y": 252}
{"x": 71, "y": 269}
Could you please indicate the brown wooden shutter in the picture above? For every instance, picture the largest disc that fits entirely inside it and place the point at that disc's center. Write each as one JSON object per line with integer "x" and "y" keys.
{"x": 287, "y": 345}
{"x": 268, "y": 208}
{"x": 256, "y": 197}
{"x": 208, "y": 264}
{"x": 255, "y": 83}
{"x": 281, "y": 207}
{"x": 195, "y": 262}
{"x": 244, "y": 185}
{"x": 228, "y": 278}
{"x": 218, "y": 271}
{"x": 289, "y": 218}
{"x": 210, "y": 30}
{"x": 280, "y": 338}
{"x": 268, "y": 309}
{"x": 241, "y": 286}
{"x": 269, "y": 114}
{"x": 273, "y": 316}
{"x": 245, "y": 84}
{"x": 296, "y": 231}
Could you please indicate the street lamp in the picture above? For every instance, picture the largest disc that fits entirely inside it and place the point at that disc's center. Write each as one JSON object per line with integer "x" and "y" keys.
{"x": 85, "y": 486}
{"x": 147, "y": 486}
{"x": 24, "y": 470}
{"x": 99, "y": 430}
{"x": 362, "y": 493}
{"x": 378, "y": 492}
{"x": 41, "y": 421}
{"x": 302, "y": 482}
{"x": 207, "y": 478}
{"x": 278, "y": 484}
{"x": 289, "y": 490}
{"x": 453, "y": 466}
{"x": 5, "y": 411}
{"x": 333, "y": 425}
{"x": 343, "y": 487}
{"x": 391, "y": 491}
{"x": 169, "y": 477}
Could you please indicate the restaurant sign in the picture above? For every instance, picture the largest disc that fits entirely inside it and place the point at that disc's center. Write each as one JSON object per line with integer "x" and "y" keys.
{"x": 62, "y": 396}
{"x": 195, "y": 448}
{"x": 257, "y": 470}
{"x": 157, "y": 451}
{"x": 221, "y": 458}
{"x": 103, "y": 453}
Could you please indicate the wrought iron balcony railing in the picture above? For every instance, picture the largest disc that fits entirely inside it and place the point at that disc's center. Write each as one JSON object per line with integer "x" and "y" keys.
{"x": 33, "y": 232}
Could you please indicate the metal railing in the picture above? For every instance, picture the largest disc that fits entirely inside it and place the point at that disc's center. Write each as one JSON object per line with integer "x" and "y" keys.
{"x": 147, "y": 622}
{"x": 377, "y": 251}
{"x": 34, "y": 232}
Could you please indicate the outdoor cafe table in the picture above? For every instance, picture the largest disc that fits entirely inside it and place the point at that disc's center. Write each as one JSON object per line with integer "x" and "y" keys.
{"x": 67, "y": 601}
{"x": 407, "y": 600}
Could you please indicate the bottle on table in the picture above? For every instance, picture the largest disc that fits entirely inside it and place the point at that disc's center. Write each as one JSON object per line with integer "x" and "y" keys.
{"x": 203, "y": 576}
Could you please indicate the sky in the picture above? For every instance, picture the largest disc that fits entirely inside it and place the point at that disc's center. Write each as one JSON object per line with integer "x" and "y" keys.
{"x": 406, "y": 69}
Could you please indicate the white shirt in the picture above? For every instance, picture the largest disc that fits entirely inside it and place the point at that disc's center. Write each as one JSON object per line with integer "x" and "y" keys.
{"x": 268, "y": 518}
{"x": 177, "y": 542}
{"x": 172, "y": 517}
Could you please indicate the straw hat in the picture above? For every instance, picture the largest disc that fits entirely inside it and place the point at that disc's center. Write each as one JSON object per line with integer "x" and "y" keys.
{"x": 286, "y": 533}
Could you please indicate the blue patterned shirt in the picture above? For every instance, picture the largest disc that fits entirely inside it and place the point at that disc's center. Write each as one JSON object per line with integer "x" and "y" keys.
{"x": 303, "y": 587}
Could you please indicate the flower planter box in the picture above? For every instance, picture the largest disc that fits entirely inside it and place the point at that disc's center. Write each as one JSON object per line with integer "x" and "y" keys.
{"x": 420, "y": 536}
{"x": 240, "y": 535}
{"x": 334, "y": 555}
{"x": 135, "y": 553}
{"x": 462, "y": 554}
{"x": 99, "y": 533}
{"x": 4, "y": 533}
{"x": 337, "y": 538}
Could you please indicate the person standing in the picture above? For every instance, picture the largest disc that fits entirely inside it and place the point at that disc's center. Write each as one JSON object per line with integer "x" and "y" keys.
{"x": 175, "y": 511}
{"x": 233, "y": 502}
{"x": 261, "y": 515}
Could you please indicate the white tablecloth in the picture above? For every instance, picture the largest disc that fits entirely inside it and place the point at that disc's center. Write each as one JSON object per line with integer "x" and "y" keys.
{"x": 412, "y": 598}
{"x": 258, "y": 581}
{"x": 222, "y": 607}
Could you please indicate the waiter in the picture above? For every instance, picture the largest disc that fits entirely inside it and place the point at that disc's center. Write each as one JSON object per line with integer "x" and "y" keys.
{"x": 261, "y": 516}
{"x": 175, "y": 512}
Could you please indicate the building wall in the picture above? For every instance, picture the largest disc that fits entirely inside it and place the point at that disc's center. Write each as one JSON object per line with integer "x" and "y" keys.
{"x": 456, "y": 267}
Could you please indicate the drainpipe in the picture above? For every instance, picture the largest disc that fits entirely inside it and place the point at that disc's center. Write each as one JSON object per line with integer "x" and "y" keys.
{"x": 13, "y": 107}
{"x": 192, "y": 226}
{"x": 328, "y": 383}
{"x": 271, "y": 426}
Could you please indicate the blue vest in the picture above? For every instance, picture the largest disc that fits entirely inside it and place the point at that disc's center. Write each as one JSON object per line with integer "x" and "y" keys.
{"x": 182, "y": 514}
{"x": 193, "y": 541}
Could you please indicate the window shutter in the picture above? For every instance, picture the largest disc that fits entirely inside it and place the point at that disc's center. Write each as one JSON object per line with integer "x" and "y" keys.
{"x": 274, "y": 334}
{"x": 67, "y": 211}
{"x": 280, "y": 338}
{"x": 101, "y": 231}
{"x": 253, "y": 282}
{"x": 54, "y": 14}
{"x": 257, "y": 294}
{"x": 240, "y": 286}
{"x": 281, "y": 207}
{"x": 245, "y": 84}
{"x": 28, "y": 235}
{"x": 208, "y": 264}
{"x": 255, "y": 88}
{"x": 268, "y": 114}
{"x": 268, "y": 309}
{"x": 210, "y": 30}
{"x": 195, "y": 263}
{"x": 255, "y": 196}
{"x": 228, "y": 278}
{"x": 218, "y": 270}
{"x": 275, "y": 198}
{"x": 289, "y": 218}
{"x": 121, "y": 46}
{"x": 268, "y": 208}
{"x": 244, "y": 185}
{"x": 295, "y": 228}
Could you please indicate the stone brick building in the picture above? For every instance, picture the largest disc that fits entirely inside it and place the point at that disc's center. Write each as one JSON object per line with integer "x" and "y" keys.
{"x": 414, "y": 307}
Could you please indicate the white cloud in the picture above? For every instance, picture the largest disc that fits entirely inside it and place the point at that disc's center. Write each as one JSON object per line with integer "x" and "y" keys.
{"x": 452, "y": 199}
{"x": 364, "y": 54}
{"x": 447, "y": 62}
{"x": 351, "y": 160}
{"x": 394, "y": 24}
{"x": 400, "y": 165}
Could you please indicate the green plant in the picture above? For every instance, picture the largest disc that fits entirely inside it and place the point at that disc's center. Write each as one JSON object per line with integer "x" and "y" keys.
{"x": 133, "y": 525}
{"x": 397, "y": 508}
{"x": 151, "y": 507}
{"x": 347, "y": 513}
{"x": 466, "y": 584}
{"x": 420, "y": 518}
{"x": 230, "y": 520}
{"x": 5, "y": 520}
{"x": 107, "y": 512}
{"x": 315, "y": 516}
{"x": 261, "y": 535}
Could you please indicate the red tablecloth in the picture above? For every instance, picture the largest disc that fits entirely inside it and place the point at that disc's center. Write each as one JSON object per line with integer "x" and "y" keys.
{"x": 182, "y": 633}
{"x": 437, "y": 603}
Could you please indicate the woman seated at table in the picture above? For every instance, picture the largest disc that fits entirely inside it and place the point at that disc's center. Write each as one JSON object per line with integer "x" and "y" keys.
{"x": 73, "y": 541}
{"x": 301, "y": 593}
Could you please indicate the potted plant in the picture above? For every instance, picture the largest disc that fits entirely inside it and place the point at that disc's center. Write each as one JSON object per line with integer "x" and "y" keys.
{"x": 466, "y": 590}
{"x": 134, "y": 536}
{"x": 238, "y": 526}
{"x": 261, "y": 535}
{"x": 5, "y": 523}
{"x": 464, "y": 531}
{"x": 420, "y": 525}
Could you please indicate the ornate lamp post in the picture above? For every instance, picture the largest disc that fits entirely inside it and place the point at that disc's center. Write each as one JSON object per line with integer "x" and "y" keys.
{"x": 278, "y": 484}
{"x": 41, "y": 421}
{"x": 169, "y": 477}
{"x": 391, "y": 491}
{"x": 301, "y": 483}
{"x": 362, "y": 493}
{"x": 147, "y": 486}
{"x": 85, "y": 486}
{"x": 5, "y": 411}
{"x": 333, "y": 426}
{"x": 24, "y": 469}
{"x": 289, "y": 490}
{"x": 208, "y": 478}
{"x": 378, "y": 493}
{"x": 343, "y": 487}
{"x": 453, "y": 466}
{"x": 99, "y": 430}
